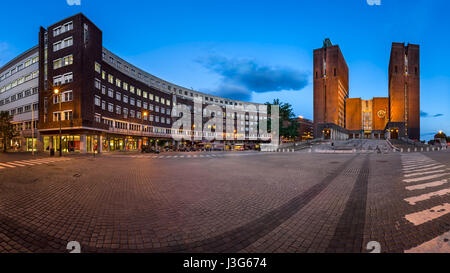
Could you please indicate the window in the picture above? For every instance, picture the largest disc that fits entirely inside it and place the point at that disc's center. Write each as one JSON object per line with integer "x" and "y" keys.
{"x": 132, "y": 113}
{"x": 145, "y": 95}
{"x": 56, "y": 116}
{"x": 145, "y": 105}
{"x": 67, "y": 115}
{"x": 103, "y": 89}
{"x": 163, "y": 101}
{"x": 98, "y": 84}
{"x": 97, "y": 67}
{"x": 110, "y": 79}
{"x": 163, "y": 110}
{"x": 63, "y": 44}
{"x": 125, "y": 98}
{"x": 68, "y": 60}
{"x": 110, "y": 93}
{"x": 118, "y": 110}
{"x": 110, "y": 107}
{"x": 118, "y": 83}
{"x": 103, "y": 75}
{"x": 156, "y": 98}
{"x": 132, "y": 101}
{"x": 57, "y": 63}
{"x": 168, "y": 102}
{"x": 157, "y": 109}
{"x": 132, "y": 89}
{"x": 61, "y": 29}
{"x": 151, "y": 97}
{"x": 98, "y": 118}
{"x": 103, "y": 105}
{"x": 138, "y": 103}
{"x": 151, "y": 107}
{"x": 125, "y": 86}
{"x": 138, "y": 114}
{"x": 63, "y": 79}
{"x": 67, "y": 96}
{"x": 118, "y": 96}
{"x": 138, "y": 92}
{"x": 97, "y": 100}
{"x": 125, "y": 112}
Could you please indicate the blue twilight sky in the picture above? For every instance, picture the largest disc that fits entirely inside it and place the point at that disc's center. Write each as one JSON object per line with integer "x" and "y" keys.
{"x": 258, "y": 50}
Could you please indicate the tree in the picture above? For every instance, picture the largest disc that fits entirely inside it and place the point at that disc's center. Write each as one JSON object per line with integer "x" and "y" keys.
{"x": 288, "y": 123}
{"x": 7, "y": 130}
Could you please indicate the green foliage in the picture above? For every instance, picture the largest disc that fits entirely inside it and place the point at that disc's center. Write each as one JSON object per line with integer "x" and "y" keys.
{"x": 7, "y": 131}
{"x": 288, "y": 123}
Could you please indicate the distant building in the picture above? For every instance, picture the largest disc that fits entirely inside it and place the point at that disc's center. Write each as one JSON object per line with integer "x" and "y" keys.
{"x": 306, "y": 129}
{"x": 337, "y": 116}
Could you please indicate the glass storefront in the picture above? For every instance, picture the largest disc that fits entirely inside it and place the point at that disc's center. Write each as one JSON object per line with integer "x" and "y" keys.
{"x": 31, "y": 144}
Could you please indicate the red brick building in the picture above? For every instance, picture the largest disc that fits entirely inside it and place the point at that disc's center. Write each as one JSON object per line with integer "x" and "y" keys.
{"x": 336, "y": 116}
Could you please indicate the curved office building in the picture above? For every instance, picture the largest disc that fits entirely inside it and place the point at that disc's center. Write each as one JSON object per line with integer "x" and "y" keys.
{"x": 105, "y": 103}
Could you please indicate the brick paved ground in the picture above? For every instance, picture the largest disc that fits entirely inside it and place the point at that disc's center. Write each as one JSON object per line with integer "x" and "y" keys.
{"x": 221, "y": 202}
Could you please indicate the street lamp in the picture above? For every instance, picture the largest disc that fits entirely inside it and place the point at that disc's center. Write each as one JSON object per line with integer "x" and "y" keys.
{"x": 56, "y": 92}
{"x": 144, "y": 114}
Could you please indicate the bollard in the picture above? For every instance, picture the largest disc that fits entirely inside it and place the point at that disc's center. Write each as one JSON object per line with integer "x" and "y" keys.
{"x": 421, "y": 149}
{"x": 401, "y": 150}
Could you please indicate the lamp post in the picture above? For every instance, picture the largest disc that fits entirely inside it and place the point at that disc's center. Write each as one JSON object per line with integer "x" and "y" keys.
{"x": 144, "y": 114}
{"x": 56, "y": 92}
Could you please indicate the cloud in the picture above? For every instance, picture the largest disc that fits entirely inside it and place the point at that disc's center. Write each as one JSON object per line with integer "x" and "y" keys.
{"x": 73, "y": 2}
{"x": 427, "y": 115}
{"x": 242, "y": 77}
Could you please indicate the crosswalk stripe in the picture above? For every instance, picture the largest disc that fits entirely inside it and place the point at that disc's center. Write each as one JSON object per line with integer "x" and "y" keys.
{"x": 7, "y": 165}
{"x": 427, "y": 185}
{"x": 424, "y": 169}
{"x": 423, "y": 173}
{"x": 16, "y": 164}
{"x": 439, "y": 244}
{"x": 417, "y": 162}
{"x": 420, "y": 167}
{"x": 424, "y": 216}
{"x": 415, "y": 199}
{"x": 417, "y": 179}
{"x": 25, "y": 163}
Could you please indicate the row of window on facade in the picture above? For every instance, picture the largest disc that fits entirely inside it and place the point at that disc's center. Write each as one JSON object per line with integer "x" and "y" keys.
{"x": 66, "y": 115}
{"x": 19, "y": 96}
{"x": 62, "y": 29}
{"x": 19, "y": 81}
{"x": 19, "y": 67}
{"x": 132, "y": 113}
{"x": 23, "y": 109}
{"x": 27, "y": 125}
{"x": 62, "y": 44}
{"x": 128, "y": 126}
{"x": 163, "y": 85}
{"x": 125, "y": 86}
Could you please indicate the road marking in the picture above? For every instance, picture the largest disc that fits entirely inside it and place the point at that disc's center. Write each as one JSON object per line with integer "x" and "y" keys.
{"x": 16, "y": 164}
{"x": 440, "y": 244}
{"x": 420, "y": 167}
{"x": 423, "y": 173}
{"x": 424, "y": 169}
{"x": 415, "y": 199}
{"x": 7, "y": 165}
{"x": 427, "y": 185}
{"x": 421, "y": 217}
{"x": 417, "y": 179}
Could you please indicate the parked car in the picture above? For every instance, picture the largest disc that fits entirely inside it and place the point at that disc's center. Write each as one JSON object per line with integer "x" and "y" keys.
{"x": 148, "y": 149}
